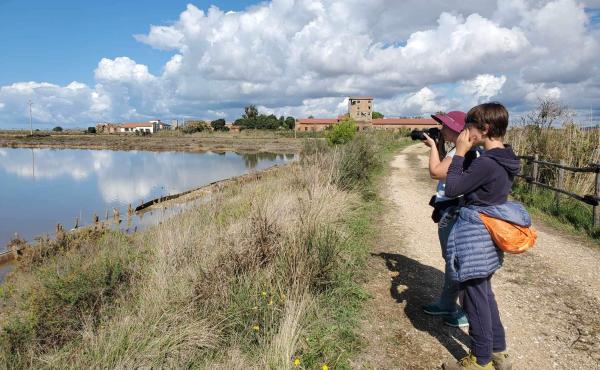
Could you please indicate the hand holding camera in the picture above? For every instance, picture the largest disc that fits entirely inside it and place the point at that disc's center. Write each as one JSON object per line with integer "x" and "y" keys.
{"x": 464, "y": 143}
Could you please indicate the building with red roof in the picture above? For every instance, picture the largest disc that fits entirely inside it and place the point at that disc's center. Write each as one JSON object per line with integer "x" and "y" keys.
{"x": 360, "y": 109}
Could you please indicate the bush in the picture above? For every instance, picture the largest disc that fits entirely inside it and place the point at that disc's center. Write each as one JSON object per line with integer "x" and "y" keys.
{"x": 343, "y": 132}
{"x": 91, "y": 130}
{"x": 63, "y": 293}
{"x": 57, "y": 129}
{"x": 219, "y": 125}
{"x": 359, "y": 158}
{"x": 195, "y": 126}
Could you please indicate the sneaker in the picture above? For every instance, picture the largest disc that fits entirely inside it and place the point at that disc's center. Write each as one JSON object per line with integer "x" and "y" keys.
{"x": 435, "y": 310}
{"x": 501, "y": 361}
{"x": 467, "y": 363}
{"x": 456, "y": 321}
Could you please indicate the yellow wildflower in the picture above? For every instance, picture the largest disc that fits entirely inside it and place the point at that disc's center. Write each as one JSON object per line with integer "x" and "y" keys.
{"x": 256, "y": 328}
{"x": 264, "y": 294}
{"x": 270, "y": 302}
{"x": 325, "y": 367}
{"x": 297, "y": 362}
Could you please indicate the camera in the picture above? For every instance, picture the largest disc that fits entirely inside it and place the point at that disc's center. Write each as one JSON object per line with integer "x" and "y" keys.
{"x": 434, "y": 133}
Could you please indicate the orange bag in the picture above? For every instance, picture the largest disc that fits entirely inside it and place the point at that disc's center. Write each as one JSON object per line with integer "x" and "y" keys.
{"x": 509, "y": 237}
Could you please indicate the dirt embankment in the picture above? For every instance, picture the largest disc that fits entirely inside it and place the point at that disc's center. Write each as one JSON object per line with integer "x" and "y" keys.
{"x": 549, "y": 297}
{"x": 188, "y": 143}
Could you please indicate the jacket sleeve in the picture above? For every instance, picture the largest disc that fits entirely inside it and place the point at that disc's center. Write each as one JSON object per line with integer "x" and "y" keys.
{"x": 459, "y": 182}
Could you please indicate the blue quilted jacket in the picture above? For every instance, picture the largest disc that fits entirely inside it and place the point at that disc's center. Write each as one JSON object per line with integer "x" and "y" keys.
{"x": 470, "y": 252}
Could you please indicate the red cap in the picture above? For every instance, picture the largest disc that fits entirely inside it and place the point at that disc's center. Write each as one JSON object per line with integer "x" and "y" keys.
{"x": 454, "y": 120}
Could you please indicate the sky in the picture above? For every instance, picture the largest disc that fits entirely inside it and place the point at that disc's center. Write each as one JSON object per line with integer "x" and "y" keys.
{"x": 87, "y": 62}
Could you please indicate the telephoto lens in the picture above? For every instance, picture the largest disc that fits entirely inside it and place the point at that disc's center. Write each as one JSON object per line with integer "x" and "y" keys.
{"x": 433, "y": 133}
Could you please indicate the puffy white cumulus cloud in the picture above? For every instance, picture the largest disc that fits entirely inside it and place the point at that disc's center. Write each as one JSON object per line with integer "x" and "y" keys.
{"x": 482, "y": 88}
{"x": 122, "y": 69}
{"x": 301, "y": 57}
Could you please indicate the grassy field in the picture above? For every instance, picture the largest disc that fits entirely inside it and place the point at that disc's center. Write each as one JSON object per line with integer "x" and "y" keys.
{"x": 264, "y": 275}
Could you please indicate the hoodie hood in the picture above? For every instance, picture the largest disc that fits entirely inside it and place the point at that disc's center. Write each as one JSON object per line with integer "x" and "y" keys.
{"x": 506, "y": 158}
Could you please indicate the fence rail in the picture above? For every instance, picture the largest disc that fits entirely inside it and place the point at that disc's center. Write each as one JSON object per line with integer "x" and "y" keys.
{"x": 591, "y": 199}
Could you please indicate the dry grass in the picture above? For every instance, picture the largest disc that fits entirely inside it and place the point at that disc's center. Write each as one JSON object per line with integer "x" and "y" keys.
{"x": 242, "y": 280}
{"x": 569, "y": 143}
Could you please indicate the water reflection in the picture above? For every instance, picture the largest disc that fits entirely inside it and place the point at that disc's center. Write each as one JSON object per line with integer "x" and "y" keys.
{"x": 42, "y": 187}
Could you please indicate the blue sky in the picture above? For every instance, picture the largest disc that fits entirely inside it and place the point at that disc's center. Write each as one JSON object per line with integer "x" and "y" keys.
{"x": 295, "y": 58}
{"x": 60, "y": 41}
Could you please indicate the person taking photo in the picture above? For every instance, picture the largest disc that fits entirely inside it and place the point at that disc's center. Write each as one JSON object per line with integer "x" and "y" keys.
{"x": 444, "y": 213}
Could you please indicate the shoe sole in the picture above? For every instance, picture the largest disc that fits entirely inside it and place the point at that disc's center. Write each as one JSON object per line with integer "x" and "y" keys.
{"x": 437, "y": 313}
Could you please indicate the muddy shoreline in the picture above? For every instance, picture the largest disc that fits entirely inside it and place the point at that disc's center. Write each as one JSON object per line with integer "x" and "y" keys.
{"x": 184, "y": 143}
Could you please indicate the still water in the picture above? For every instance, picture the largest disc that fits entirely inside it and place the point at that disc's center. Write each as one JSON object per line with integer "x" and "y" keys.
{"x": 42, "y": 187}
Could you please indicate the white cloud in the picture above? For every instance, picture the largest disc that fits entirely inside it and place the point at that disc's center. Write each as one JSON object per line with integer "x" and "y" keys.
{"x": 482, "y": 88}
{"x": 122, "y": 69}
{"x": 302, "y": 57}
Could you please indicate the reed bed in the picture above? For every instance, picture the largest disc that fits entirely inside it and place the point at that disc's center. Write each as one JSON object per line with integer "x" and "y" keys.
{"x": 551, "y": 133}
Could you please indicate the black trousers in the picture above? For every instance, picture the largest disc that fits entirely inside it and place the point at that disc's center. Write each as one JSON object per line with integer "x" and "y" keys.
{"x": 485, "y": 328}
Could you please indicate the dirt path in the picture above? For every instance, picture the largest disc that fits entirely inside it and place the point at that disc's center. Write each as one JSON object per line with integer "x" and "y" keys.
{"x": 549, "y": 298}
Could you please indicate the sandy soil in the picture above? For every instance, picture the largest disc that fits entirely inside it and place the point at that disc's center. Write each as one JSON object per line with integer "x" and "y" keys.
{"x": 549, "y": 297}
{"x": 191, "y": 143}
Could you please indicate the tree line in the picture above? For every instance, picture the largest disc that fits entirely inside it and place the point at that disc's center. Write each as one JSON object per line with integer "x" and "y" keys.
{"x": 251, "y": 119}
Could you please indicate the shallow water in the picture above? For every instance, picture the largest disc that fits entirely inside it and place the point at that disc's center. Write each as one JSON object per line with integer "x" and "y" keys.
{"x": 42, "y": 187}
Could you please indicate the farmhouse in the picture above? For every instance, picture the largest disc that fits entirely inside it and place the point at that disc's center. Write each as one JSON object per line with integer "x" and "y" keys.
{"x": 360, "y": 109}
{"x": 145, "y": 127}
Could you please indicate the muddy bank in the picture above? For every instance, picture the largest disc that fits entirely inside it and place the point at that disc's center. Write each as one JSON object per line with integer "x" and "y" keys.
{"x": 185, "y": 143}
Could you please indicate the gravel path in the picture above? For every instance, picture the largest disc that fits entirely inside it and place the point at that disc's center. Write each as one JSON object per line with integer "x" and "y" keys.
{"x": 549, "y": 298}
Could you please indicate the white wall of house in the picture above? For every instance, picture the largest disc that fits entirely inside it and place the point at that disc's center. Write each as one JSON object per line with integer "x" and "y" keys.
{"x": 150, "y": 128}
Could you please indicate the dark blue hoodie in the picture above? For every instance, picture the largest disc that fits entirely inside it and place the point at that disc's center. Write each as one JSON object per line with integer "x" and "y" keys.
{"x": 487, "y": 181}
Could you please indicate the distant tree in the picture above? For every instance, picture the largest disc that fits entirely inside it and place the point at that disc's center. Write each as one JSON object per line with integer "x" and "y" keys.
{"x": 195, "y": 126}
{"x": 219, "y": 125}
{"x": 57, "y": 129}
{"x": 250, "y": 111}
{"x": 290, "y": 122}
{"x": 440, "y": 113}
{"x": 377, "y": 115}
{"x": 91, "y": 130}
{"x": 343, "y": 132}
{"x": 311, "y": 116}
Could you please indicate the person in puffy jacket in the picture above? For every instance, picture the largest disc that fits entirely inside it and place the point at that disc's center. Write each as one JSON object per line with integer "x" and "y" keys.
{"x": 471, "y": 256}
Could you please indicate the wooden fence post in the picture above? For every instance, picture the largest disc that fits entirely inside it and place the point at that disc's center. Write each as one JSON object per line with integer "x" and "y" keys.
{"x": 534, "y": 172}
{"x": 560, "y": 183}
{"x": 597, "y": 208}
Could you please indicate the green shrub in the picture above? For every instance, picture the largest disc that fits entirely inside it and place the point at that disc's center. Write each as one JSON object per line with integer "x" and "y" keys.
{"x": 195, "y": 126}
{"x": 62, "y": 295}
{"x": 359, "y": 159}
{"x": 343, "y": 132}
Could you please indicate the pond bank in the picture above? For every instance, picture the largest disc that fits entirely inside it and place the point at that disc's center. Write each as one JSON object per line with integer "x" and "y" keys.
{"x": 158, "y": 142}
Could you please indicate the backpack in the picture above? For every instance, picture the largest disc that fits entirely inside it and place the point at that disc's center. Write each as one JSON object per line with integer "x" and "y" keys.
{"x": 509, "y": 237}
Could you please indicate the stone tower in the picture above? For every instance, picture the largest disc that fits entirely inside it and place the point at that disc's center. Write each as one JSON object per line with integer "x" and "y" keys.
{"x": 360, "y": 108}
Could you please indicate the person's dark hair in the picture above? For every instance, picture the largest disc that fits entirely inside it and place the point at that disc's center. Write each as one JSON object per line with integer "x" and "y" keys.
{"x": 493, "y": 114}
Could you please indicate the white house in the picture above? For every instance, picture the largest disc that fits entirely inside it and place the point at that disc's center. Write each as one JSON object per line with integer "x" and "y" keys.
{"x": 132, "y": 127}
